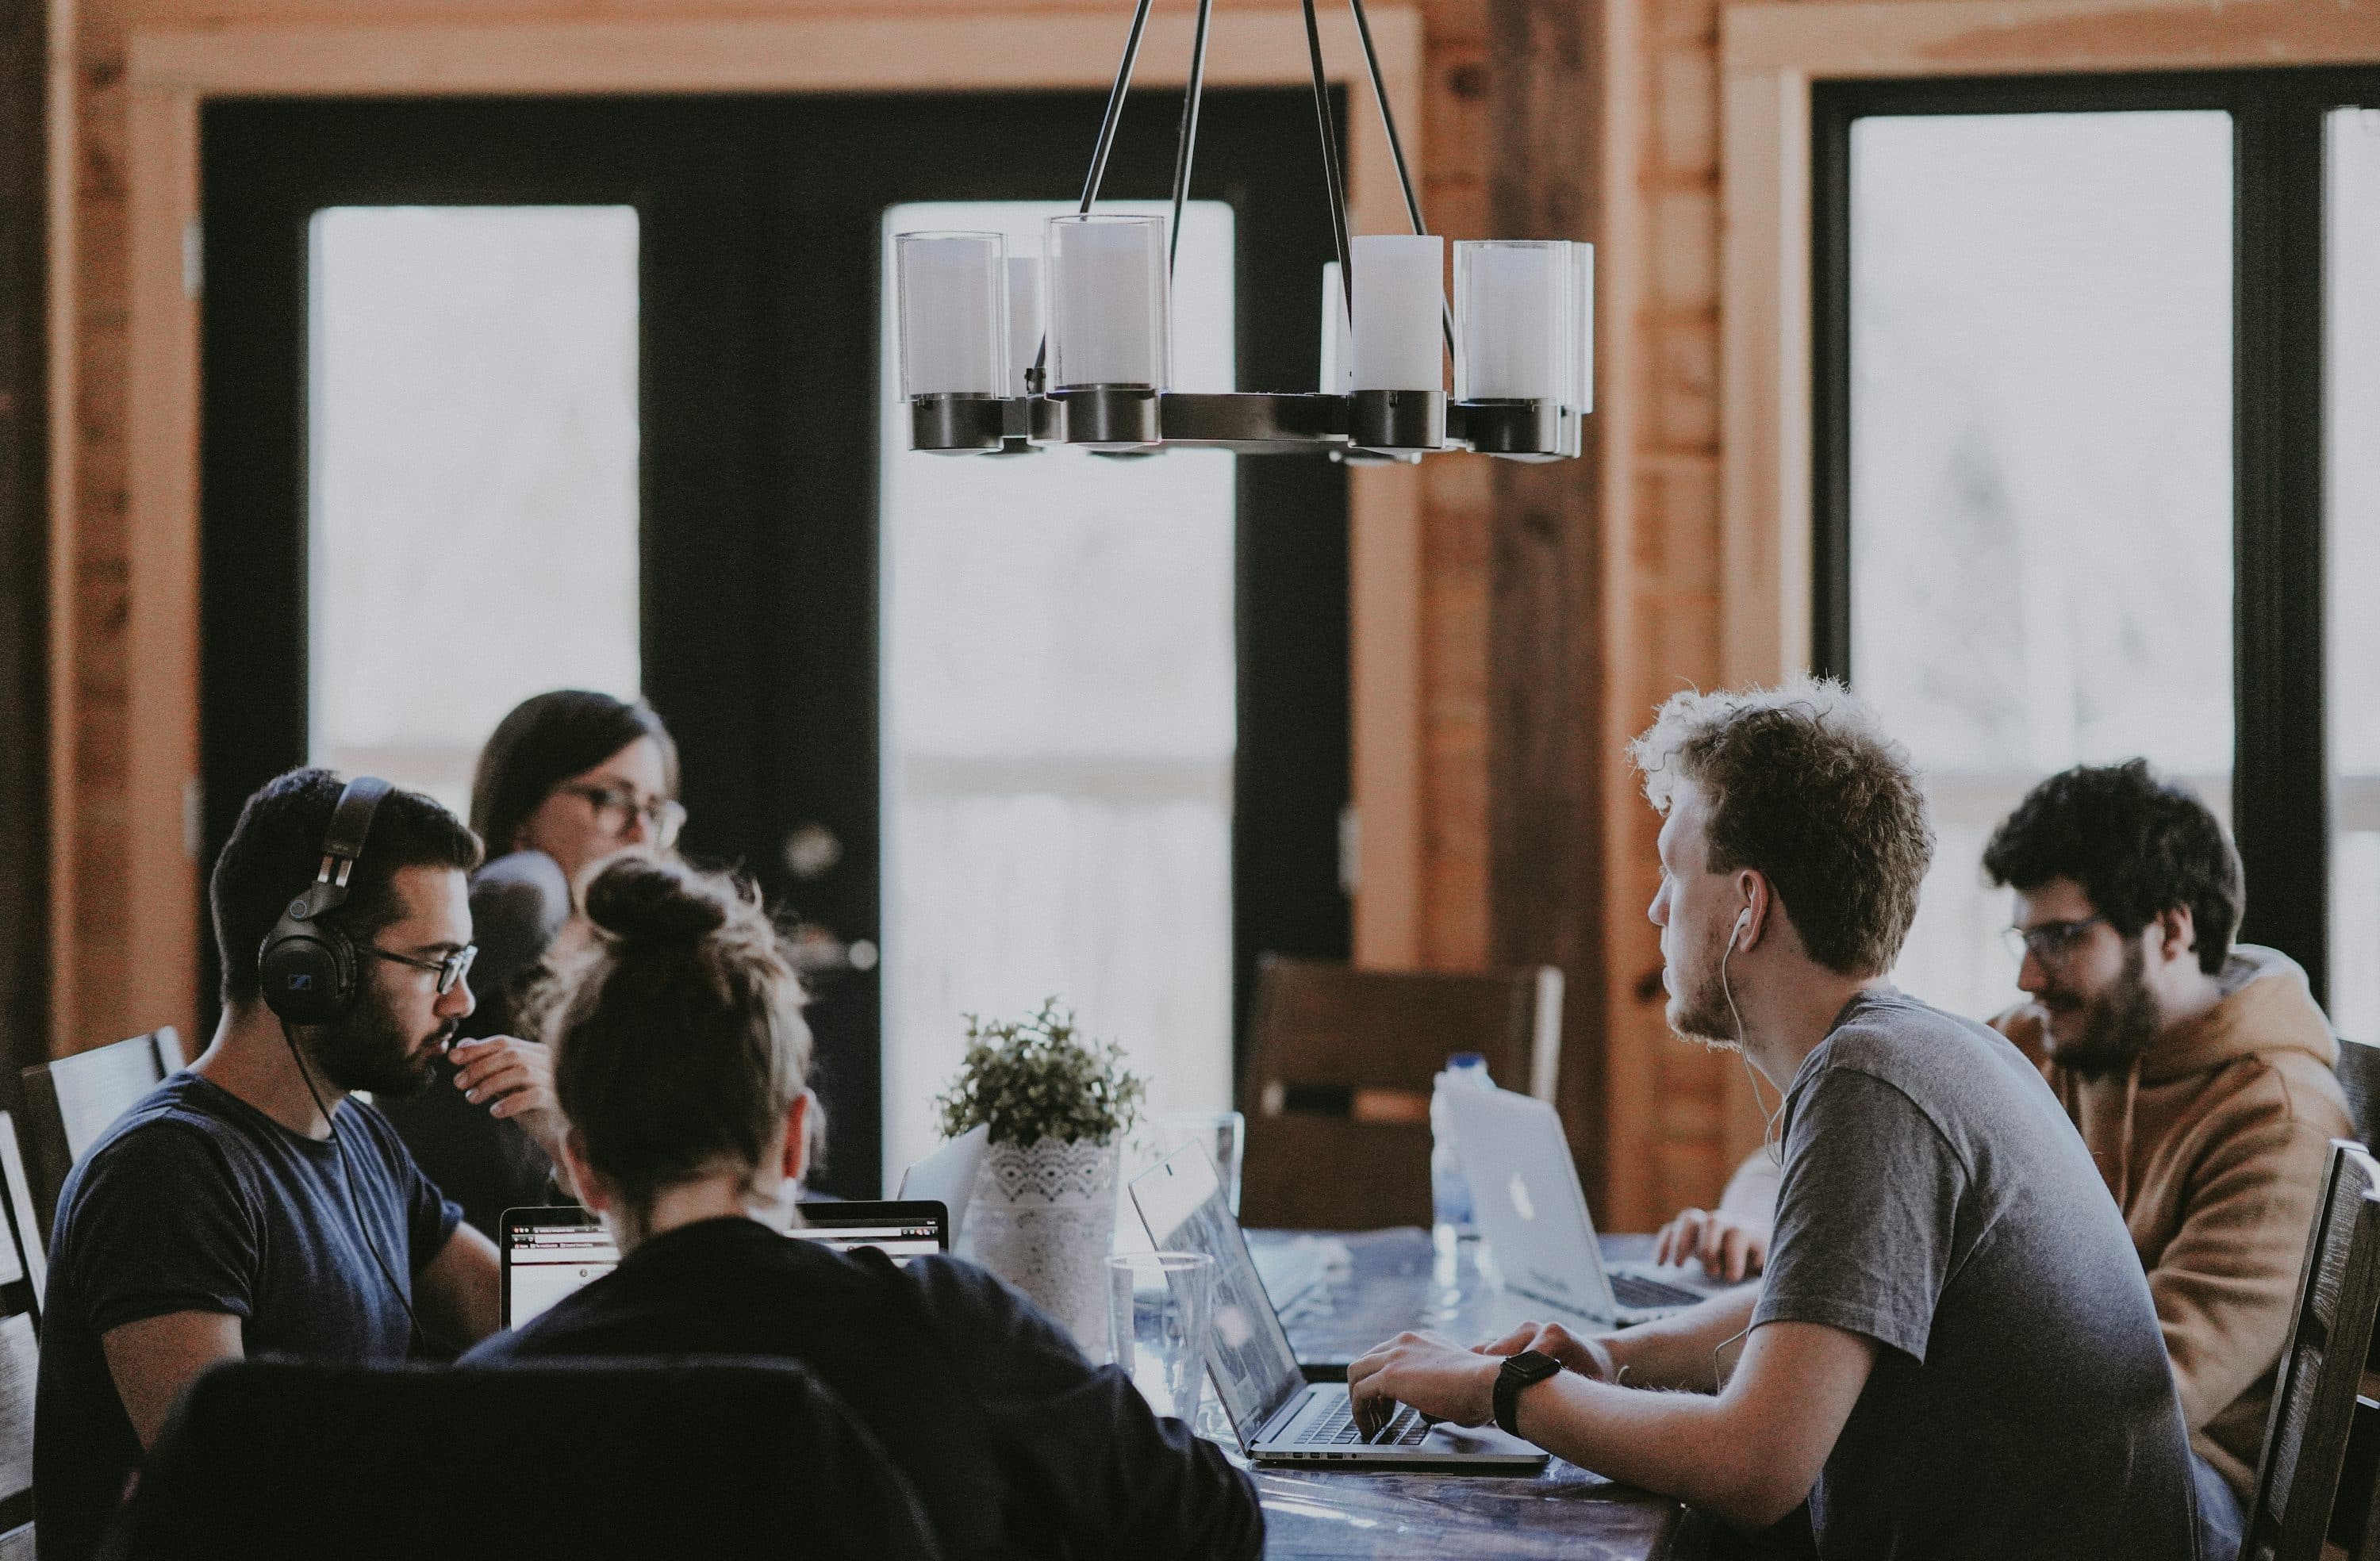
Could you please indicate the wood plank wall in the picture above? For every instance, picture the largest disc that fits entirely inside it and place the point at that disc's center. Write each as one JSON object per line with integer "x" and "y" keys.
{"x": 1635, "y": 610}
{"x": 24, "y": 434}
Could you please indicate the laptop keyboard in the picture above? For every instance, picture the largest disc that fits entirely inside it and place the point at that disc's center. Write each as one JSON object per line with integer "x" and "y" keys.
{"x": 1635, "y": 1291}
{"x": 1338, "y": 1429}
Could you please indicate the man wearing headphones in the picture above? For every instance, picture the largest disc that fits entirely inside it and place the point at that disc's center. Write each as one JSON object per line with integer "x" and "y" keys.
{"x": 1953, "y": 1352}
{"x": 247, "y": 1204}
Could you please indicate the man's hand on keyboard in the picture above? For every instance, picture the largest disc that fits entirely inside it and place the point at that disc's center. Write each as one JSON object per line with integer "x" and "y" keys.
{"x": 1730, "y": 1247}
{"x": 1442, "y": 1380}
{"x": 1588, "y": 1357}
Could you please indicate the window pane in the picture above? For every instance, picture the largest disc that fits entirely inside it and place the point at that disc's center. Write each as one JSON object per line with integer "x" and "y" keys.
{"x": 1059, "y": 724}
{"x": 2041, "y": 472}
{"x": 2352, "y": 351}
{"x": 472, "y": 416}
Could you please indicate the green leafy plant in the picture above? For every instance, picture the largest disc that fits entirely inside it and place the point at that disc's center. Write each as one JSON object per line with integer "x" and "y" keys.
{"x": 1036, "y": 1078}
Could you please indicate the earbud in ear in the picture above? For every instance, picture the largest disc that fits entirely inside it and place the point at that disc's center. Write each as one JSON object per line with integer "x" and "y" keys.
{"x": 1743, "y": 920}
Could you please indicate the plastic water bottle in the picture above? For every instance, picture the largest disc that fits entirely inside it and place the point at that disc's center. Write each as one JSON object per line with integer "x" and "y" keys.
{"x": 1450, "y": 1190}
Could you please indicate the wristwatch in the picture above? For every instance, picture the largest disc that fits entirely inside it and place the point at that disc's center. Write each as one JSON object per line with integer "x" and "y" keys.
{"x": 1525, "y": 1370}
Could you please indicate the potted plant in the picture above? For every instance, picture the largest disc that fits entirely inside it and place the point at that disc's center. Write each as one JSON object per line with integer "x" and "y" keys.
{"x": 1057, "y": 1107}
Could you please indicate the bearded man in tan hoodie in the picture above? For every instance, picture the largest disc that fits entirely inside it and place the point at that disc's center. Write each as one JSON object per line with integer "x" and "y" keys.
{"x": 2198, "y": 1073}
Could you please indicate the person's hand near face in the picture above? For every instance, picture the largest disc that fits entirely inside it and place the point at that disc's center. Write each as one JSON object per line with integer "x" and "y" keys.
{"x": 514, "y": 1079}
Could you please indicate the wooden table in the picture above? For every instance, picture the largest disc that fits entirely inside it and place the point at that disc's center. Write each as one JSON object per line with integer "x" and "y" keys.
{"x": 1363, "y": 1288}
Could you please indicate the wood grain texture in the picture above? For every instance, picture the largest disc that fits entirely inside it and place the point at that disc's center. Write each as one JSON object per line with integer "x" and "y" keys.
{"x": 1547, "y": 664}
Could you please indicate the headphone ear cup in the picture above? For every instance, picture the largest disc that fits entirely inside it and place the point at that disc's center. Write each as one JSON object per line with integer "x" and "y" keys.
{"x": 307, "y": 975}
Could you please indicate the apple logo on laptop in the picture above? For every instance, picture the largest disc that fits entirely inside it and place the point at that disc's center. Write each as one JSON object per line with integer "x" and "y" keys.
{"x": 1521, "y": 1205}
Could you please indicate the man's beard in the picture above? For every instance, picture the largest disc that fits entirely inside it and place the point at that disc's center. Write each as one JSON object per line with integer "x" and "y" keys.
{"x": 369, "y": 1049}
{"x": 2117, "y": 1025}
{"x": 1700, "y": 1012}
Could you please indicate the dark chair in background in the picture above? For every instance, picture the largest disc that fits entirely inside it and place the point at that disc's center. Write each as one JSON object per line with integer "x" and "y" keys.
{"x": 22, "y": 1277}
{"x": 2309, "y": 1485}
{"x": 582, "y": 1460}
{"x": 2359, "y": 1075}
{"x": 70, "y": 1101}
{"x": 1339, "y": 1068}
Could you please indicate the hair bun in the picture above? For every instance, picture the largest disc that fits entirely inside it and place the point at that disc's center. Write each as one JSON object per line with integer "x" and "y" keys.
{"x": 640, "y": 900}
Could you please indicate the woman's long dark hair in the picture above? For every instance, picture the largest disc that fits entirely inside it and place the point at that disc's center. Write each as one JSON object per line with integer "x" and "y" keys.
{"x": 545, "y": 741}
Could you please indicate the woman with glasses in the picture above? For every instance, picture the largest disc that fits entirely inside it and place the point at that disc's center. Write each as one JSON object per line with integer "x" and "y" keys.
{"x": 567, "y": 780}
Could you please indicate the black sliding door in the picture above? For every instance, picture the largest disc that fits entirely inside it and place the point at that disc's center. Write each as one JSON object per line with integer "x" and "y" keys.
{"x": 756, "y": 229}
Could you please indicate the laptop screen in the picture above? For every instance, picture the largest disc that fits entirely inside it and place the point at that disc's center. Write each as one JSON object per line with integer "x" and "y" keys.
{"x": 549, "y": 1253}
{"x": 1254, "y": 1368}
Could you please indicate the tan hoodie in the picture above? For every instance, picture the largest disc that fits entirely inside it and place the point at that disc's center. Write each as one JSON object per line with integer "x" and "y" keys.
{"x": 2213, "y": 1145}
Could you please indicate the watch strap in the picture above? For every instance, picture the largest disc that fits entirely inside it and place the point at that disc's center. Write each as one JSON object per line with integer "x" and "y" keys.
{"x": 1525, "y": 1370}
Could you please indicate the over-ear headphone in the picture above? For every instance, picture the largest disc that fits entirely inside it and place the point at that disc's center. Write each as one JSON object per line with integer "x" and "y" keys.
{"x": 306, "y": 967}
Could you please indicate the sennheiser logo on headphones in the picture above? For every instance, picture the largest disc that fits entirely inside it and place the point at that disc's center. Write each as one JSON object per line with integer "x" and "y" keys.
{"x": 301, "y": 983}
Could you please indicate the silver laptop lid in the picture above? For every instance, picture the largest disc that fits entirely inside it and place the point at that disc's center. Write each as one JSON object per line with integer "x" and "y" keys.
{"x": 1531, "y": 1209}
{"x": 1255, "y": 1371}
{"x": 947, "y": 1175}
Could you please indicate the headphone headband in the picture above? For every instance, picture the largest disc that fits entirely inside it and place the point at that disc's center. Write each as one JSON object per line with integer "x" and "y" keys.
{"x": 343, "y": 842}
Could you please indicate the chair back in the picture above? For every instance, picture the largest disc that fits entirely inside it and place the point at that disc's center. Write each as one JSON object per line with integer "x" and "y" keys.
{"x": 69, "y": 1101}
{"x": 1337, "y": 1088}
{"x": 23, "y": 1276}
{"x": 547, "y": 1458}
{"x": 2322, "y": 1369}
{"x": 2359, "y": 1075}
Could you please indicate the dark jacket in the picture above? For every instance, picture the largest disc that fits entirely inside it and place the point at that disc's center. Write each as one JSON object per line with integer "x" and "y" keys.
{"x": 1017, "y": 1445}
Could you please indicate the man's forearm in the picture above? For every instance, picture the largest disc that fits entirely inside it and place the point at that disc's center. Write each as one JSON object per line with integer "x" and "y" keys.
{"x": 1677, "y": 1351}
{"x": 1681, "y": 1445}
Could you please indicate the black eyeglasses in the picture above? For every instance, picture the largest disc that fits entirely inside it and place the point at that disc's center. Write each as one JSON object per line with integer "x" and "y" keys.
{"x": 616, "y": 805}
{"x": 2052, "y": 943}
{"x": 450, "y": 969}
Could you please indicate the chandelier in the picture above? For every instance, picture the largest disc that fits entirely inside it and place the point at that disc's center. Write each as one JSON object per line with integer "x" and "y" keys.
{"x": 1006, "y": 354}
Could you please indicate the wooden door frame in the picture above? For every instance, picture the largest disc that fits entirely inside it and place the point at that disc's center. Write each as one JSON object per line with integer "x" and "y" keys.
{"x": 1770, "y": 56}
{"x": 172, "y": 72}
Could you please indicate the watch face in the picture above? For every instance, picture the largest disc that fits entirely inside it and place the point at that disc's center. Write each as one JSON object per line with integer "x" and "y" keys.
{"x": 1534, "y": 1364}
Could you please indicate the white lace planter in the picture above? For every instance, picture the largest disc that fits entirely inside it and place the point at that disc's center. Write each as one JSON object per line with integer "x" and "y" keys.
{"x": 1041, "y": 1218}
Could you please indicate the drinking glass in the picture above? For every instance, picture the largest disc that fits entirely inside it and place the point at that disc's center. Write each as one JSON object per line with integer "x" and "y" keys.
{"x": 1161, "y": 1306}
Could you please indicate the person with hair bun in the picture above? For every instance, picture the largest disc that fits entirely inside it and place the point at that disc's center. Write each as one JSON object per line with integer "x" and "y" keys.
{"x": 566, "y": 779}
{"x": 681, "y": 1064}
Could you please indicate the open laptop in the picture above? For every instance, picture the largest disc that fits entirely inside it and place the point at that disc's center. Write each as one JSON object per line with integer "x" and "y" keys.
{"x": 1531, "y": 1211}
{"x": 1278, "y": 1415}
{"x": 545, "y": 1254}
{"x": 947, "y": 1175}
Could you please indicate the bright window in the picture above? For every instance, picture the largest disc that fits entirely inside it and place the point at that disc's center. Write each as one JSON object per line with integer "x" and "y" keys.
{"x": 1059, "y": 725}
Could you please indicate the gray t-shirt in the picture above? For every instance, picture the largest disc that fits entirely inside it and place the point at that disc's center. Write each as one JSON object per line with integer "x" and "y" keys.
{"x": 1938, "y": 1200}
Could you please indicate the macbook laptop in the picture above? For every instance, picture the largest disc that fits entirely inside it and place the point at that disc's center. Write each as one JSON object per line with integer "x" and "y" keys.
{"x": 947, "y": 1175}
{"x": 1531, "y": 1211}
{"x": 548, "y": 1252}
{"x": 1278, "y": 1415}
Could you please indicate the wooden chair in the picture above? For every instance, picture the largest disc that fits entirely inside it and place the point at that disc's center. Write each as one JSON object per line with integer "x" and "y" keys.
{"x": 2323, "y": 1386}
{"x": 2359, "y": 1075}
{"x": 1339, "y": 1067}
{"x": 71, "y": 1100}
{"x": 22, "y": 1277}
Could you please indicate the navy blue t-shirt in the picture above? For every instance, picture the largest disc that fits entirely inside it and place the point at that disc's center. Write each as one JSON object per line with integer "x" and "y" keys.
{"x": 194, "y": 1201}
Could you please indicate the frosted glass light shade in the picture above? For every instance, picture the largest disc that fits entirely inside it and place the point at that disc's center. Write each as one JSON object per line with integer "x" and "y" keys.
{"x": 1338, "y": 374}
{"x": 1023, "y": 319}
{"x": 1581, "y": 370}
{"x": 953, "y": 293}
{"x": 1111, "y": 319}
{"x": 1400, "y": 304}
{"x": 1513, "y": 300}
